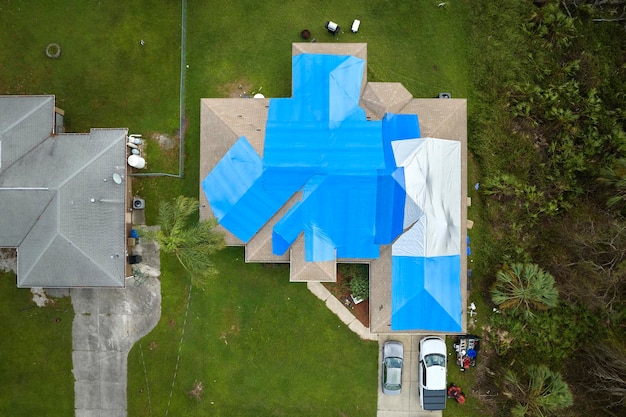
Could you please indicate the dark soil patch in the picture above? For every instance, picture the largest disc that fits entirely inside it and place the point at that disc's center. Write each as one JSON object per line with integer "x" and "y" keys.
{"x": 237, "y": 89}
{"x": 341, "y": 291}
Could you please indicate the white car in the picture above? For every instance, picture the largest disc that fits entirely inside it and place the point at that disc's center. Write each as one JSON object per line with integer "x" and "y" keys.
{"x": 432, "y": 373}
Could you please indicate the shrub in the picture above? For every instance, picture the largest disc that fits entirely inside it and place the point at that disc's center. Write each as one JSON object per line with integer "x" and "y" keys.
{"x": 358, "y": 274}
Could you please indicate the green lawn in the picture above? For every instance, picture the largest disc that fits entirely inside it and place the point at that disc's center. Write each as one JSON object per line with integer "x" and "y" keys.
{"x": 260, "y": 345}
{"x": 286, "y": 354}
{"x": 36, "y": 350}
{"x": 104, "y": 77}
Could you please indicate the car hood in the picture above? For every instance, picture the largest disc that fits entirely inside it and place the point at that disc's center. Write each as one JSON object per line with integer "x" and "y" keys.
{"x": 433, "y": 345}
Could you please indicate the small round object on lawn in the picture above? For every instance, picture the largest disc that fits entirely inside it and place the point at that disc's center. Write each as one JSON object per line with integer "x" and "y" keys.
{"x": 53, "y": 51}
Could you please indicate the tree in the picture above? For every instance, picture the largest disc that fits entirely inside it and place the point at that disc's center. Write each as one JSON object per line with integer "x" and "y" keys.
{"x": 540, "y": 393}
{"x": 523, "y": 288}
{"x": 604, "y": 365}
{"x": 615, "y": 177}
{"x": 191, "y": 243}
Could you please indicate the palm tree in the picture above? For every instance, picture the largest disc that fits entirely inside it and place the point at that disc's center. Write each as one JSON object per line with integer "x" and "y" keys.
{"x": 524, "y": 287}
{"x": 540, "y": 394}
{"x": 191, "y": 243}
{"x": 615, "y": 176}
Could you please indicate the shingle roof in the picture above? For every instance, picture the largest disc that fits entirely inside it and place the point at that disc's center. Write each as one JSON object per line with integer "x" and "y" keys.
{"x": 61, "y": 208}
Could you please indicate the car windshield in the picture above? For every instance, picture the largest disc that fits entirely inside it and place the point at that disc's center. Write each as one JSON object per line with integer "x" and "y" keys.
{"x": 435, "y": 359}
{"x": 394, "y": 362}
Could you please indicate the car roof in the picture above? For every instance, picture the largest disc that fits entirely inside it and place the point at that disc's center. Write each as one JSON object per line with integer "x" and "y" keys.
{"x": 394, "y": 375}
{"x": 435, "y": 378}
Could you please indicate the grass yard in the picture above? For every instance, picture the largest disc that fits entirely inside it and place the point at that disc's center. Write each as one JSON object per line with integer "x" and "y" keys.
{"x": 259, "y": 345}
{"x": 36, "y": 348}
{"x": 104, "y": 77}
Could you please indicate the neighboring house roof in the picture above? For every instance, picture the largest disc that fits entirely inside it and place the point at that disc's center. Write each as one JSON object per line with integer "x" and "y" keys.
{"x": 60, "y": 205}
{"x": 329, "y": 181}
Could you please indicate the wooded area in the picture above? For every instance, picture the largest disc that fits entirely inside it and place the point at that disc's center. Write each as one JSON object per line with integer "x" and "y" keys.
{"x": 548, "y": 133}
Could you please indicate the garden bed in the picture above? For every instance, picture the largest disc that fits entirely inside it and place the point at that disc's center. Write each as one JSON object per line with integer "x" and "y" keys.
{"x": 341, "y": 291}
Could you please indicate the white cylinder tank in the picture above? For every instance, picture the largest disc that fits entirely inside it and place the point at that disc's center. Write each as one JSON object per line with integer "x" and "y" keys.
{"x": 136, "y": 161}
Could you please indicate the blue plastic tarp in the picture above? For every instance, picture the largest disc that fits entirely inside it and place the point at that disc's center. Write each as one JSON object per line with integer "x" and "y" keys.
{"x": 425, "y": 293}
{"x": 340, "y": 209}
{"x": 354, "y": 190}
{"x": 389, "y": 207}
{"x": 238, "y": 194}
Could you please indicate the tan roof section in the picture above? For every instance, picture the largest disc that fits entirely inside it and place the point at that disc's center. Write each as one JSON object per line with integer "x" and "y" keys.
{"x": 379, "y": 98}
{"x": 358, "y": 50}
{"x": 223, "y": 121}
{"x": 259, "y": 248}
{"x": 302, "y": 271}
{"x": 443, "y": 118}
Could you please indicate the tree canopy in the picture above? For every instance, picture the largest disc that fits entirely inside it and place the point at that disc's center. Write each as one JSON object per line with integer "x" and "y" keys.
{"x": 193, "y": 243}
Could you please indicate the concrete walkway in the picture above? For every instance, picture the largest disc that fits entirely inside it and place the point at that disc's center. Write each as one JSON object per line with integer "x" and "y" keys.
{"x": 341, "y": 311}
{"x": 107, "y": 322}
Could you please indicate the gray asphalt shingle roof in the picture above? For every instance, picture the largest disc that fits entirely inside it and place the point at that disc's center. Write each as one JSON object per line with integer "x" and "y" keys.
{"x": 61, "y": 208}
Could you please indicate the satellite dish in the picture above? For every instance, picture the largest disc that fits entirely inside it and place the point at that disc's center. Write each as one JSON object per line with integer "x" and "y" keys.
{"x": 117, "y": 178}
{"x": 259, "y": 95}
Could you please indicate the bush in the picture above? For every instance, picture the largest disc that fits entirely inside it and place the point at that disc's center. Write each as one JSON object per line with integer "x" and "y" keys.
{"x": 358, "y": 275}
{"x": 552, "y": 335}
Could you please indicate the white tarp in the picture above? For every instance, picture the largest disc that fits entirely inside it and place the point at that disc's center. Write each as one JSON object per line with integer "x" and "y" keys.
{"x": 432, "y": 172}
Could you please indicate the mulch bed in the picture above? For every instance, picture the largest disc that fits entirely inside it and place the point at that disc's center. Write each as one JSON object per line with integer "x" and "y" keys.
{"x": 341, "y": 291}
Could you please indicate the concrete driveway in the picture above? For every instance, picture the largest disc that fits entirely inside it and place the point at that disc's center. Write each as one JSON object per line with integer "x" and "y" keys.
{"x": 106, "y": 324}
{"x": 407, "y": 404}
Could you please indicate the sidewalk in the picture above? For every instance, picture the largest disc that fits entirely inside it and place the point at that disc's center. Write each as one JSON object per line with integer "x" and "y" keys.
{"x": 341, "y": 311}
{"x": 107, "y": 323}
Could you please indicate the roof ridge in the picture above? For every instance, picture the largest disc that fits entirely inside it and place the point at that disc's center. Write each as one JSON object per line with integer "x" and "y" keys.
{"x": 28, "y": 114}
{"x": 89, "y": 161}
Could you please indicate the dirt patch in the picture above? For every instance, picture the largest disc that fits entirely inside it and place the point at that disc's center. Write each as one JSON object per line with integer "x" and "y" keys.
{"x": 237, "y": 89}
{"x": 341, "y": 291}
{"x": 8, "y": 259}
{"x": 165, "y": 141}
{"x": 40, "y": 298}
{"x": 233, "y": 331}
{"x": 486, "y": 388}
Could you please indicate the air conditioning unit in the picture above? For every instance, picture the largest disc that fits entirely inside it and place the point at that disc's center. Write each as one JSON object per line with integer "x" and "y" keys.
{"x": 139, "y": 203}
